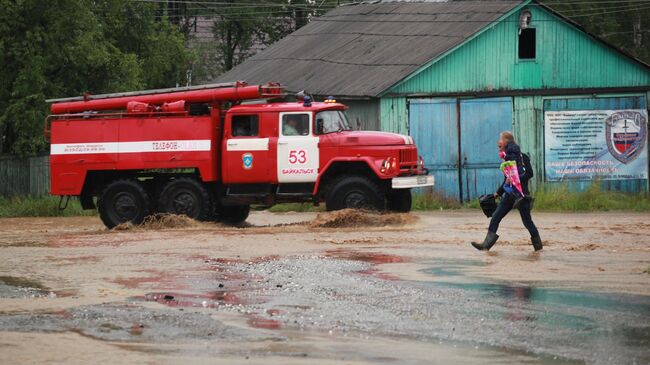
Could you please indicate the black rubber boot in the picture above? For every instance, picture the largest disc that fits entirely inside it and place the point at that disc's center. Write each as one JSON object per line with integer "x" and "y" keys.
{"x": 487, "y": 244}
{"x": 537, "y": 243}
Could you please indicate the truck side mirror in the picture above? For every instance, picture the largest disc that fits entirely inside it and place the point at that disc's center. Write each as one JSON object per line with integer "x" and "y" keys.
{"x": 319, "y": 126}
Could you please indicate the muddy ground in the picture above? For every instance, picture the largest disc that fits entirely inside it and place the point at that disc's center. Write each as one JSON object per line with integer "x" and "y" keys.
{"x": 347, "y": 288}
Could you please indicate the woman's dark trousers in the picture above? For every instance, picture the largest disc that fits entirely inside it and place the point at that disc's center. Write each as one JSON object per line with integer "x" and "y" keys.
{"x": 505, "y": 206}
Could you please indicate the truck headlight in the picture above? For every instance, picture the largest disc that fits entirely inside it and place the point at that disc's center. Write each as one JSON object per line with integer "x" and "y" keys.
{"x": 385, "y": 166}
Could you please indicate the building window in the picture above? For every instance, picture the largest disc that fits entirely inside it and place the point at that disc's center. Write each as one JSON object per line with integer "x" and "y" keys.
{"x": 527, "y": 44}
{"x": 245, "y": 126}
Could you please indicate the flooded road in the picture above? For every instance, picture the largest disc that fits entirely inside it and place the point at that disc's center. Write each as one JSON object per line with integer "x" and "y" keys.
{"x": 333, "y": 289}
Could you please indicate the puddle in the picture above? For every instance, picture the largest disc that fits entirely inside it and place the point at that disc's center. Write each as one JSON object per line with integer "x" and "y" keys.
{"x": 616, "y": 326}
{"x": 221, "y": 288}
{"x": 344, "y": 292}
{"x": 21, "y": 282}
{"x": 19, "y": 287}
{"x": 373, "y": 258}
{"x": 560, "y": 297}
{"x": 364, "y": 256}
{"x": 156, "y": 278}
{"x": 264, "y": 323}
{"x": 448, "y": 273}
{"x": 184, "y": 300}
{"x": 116, "y": 322}
{"x": 453, "y": 268}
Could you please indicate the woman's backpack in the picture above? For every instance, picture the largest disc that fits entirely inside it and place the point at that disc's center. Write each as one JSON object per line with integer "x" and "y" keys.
{"x": 528, "y": 168}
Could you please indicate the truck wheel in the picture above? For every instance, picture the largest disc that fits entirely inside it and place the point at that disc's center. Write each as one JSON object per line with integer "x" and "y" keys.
{"x": 234, "y": 214}
{"x": 399, "y": 200}
{"x": 357, "y": 192}
{"x": 123, "y": 201}
{"x": 186, "y": 196}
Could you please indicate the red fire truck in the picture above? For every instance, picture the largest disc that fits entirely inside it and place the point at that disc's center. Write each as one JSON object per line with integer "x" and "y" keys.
{"x": 210, "y": 152}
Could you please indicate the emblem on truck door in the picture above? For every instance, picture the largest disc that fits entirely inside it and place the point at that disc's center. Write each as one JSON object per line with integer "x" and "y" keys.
{"x": 247, "y": 161}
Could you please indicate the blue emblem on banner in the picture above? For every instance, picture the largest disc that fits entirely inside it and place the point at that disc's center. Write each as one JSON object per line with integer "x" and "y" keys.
{"x": 626, "y": 135}
{"x": 247, "y": 160}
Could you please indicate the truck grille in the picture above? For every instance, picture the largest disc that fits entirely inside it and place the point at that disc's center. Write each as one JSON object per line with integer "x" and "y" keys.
{"x": 408, "y": 156}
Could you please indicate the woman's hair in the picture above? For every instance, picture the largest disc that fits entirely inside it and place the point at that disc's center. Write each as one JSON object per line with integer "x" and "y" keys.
{"x": 507, "y": 136}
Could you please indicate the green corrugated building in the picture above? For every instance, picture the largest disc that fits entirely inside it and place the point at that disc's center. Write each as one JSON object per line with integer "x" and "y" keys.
{"x": 453, "y": 74}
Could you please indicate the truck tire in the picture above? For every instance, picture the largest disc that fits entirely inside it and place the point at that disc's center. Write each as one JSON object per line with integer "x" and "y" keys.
{"x": 186, "y": 196}
{"x": 123, "y": 201}
{"x": 399, "y": 200}
{"x": 356, "y": 192}
{"x": 234, "y": 214}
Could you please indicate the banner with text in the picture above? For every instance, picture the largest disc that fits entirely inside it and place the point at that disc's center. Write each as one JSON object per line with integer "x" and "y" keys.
{"x": 596, "y": 144}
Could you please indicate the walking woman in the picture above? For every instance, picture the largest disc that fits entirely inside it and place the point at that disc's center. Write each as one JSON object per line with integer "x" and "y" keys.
{"x": 509, "y": 196}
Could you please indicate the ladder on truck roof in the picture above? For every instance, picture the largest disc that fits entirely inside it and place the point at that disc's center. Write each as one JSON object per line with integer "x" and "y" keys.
{"x": 160, "y": 101}
{"x": 236, "y": 91}
{"x": 147, "y": 92}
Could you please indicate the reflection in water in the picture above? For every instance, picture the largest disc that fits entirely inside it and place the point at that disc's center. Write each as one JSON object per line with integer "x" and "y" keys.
{"x": 612, "y": 325}
{"x": 516, "y": 298}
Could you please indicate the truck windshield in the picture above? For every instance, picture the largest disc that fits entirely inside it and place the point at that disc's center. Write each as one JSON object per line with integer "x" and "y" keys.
{"x": 331, "y": 121}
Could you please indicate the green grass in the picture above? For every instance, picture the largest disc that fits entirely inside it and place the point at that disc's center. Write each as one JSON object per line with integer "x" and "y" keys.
{"x": 561, "y": 199}
{"x": 552, "y": 199}
{"x": 647, "y": 271}
{"x": 434, "y": 200}
{"x": 46, "y": 206}
{"x": 296, "y": 207}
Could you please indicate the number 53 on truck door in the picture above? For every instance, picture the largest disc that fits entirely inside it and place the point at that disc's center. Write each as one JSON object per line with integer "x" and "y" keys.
{"x": 298, "y": 156}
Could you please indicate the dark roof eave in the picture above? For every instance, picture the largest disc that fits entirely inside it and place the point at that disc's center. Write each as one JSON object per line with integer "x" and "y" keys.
{"x": 334, "y": 94}
{"x": 528, "y": 92}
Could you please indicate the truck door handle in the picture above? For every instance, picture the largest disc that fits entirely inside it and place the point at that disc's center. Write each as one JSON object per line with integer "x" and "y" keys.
{"x": 283, "y": 143}
{"x": 232, "y": 143}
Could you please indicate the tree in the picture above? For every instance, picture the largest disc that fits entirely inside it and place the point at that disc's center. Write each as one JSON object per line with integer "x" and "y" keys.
{"x": 239, "y": 29}
{"x": 245, "y": 26}
{"x": 68, "y": 47}
{"x": 621, "y": 23}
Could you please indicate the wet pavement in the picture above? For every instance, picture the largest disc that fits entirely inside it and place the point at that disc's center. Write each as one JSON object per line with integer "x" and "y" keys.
{"x": 339, "y": 296}
{"x": 119, "y": 322}
{"x": 331, "y": 303}
{"x": 343, "y": 294}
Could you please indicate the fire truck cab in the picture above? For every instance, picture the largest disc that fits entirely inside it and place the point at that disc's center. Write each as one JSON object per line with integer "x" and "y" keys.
{"x": 212, "y": 156}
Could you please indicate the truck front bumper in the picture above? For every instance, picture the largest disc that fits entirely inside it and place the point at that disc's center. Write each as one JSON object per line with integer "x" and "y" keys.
{"x": 416, "y": 181}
